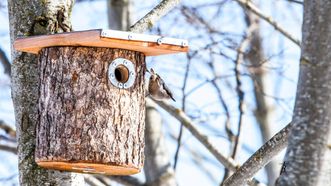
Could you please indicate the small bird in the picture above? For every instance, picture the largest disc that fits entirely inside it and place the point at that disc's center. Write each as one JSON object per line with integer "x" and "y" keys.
{"x": 157, "y": 89}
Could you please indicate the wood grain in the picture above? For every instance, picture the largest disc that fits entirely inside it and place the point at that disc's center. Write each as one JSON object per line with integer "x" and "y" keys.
{"x": 85, "y": 121}
{"x": 91, "y": 38}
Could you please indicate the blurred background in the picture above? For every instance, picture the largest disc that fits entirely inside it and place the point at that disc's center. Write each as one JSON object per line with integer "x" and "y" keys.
{"x": 239, "y": 75}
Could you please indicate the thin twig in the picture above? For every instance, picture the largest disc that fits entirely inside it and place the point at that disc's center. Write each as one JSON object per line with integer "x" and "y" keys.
{"x": 8, "y": 148}
{"x": 250, "y": 6}
{"x": 5, "y": 62}
{"x": 8, "y": 139}
{"x": 127, "y": 180}
{"x": 188, "y": 124}
{"x": 179, "y": 140}
{"x": 260, "y": 158}
{"x": 240, "y": 93}
{"x": 8, "y": 178}
{"x": 295, "y": 1}
{"x": 154, "y": 15}
{"x": 222, "y": 101}
{"x": 92, "y": 180}
{"x": 8, "y": 129}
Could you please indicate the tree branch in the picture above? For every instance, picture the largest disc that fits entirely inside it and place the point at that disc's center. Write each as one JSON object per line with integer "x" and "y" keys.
{"x": 8, "y": 148}
{"x": 229, "y": 163}
{"x": 5, "y": 62}
{"x": 186, "y": 121}
{"x": 260, "y": 158}
{"x": 295, "y": 1}
{"x": 250, "y": 6}
{"x": 154, "y": 15}
{"x": 239, "y": 60}
{"x": 8, "y": 129}
{"x": 92, "y": 180}
{"x": 127, "y": 180}
{"x": 179, "y": 139}
{"x": 240, "y": 92}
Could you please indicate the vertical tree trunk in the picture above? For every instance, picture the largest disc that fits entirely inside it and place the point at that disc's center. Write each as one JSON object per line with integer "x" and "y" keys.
{"x": 119, "y": 14}
{"x": 262, "y": 112}
{"x": 307, "y": 160}
{"x": 158, "y": 169}
{"x": 33, "y": 18}
{"x": 86, "y": 123}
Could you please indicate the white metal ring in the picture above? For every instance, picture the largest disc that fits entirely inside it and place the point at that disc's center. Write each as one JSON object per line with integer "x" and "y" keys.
{"x": 112, "y": 77}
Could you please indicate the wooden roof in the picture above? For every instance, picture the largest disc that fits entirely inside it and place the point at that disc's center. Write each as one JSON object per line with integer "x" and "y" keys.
{"x": 148, "y": 44}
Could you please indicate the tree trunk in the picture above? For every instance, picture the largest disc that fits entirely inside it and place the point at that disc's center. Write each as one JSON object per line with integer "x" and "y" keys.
{"x": 307, "y": 160}
{"x": 262, "y": 112}
{"x": 119, "y": 14}
{"x": 32, "y": 18}
{"x": 86, "y": 123}
{"x": 158, "y": 169}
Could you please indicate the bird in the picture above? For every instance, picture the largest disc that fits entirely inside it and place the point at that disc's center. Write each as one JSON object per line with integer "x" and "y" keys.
{"x": 157, "y": 89}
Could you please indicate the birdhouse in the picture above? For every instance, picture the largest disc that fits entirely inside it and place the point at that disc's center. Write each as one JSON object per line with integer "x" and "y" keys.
{"x": 92, "y": 98}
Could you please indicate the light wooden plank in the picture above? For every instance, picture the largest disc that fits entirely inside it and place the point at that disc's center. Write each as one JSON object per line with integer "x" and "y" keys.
{"x": 92, "y": 38}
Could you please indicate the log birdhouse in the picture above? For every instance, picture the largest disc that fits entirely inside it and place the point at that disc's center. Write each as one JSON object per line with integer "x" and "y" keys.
{"x": 92, "y": 98}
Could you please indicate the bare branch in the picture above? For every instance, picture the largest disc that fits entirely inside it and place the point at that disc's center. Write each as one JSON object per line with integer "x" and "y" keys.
{"x": 239, "y": 60}
{"x": 127, "y": 180}
{"x": 179, "y": 139}
{"x": 188, "y": 124}
{"x": 5, "y": 62}
{"x": 260, "y": 158}
{"x": 240, "y": 92}
{"x": 250, "y": 6}
{"x": 8, "y": 129}
{"x": 8, "y": 178}
{"x": 154, "y": 15}
{"x": 295, "y": 1}
{"x": 8, "y": 148}
{"x": 92, "y": 181}
{"x": 186, "y": 121}
{"x": 8, "y": 139}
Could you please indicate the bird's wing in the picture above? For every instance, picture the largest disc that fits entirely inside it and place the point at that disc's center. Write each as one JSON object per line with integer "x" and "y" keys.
{"x": 166, "y": 88}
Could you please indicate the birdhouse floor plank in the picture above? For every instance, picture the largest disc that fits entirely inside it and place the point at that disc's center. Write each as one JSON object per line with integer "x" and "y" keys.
{"x": 86, "y": 167}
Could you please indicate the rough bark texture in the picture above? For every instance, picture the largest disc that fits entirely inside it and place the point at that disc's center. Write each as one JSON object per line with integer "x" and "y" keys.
{"x": 119, "y": 14}
{"x": 32, "y": 18}
{"x": 86, "y": 123}
{"x": 259, "y": 159}
{"x": 158, "y": 169}
{"x": 306, "y": 156}
{"x": 154, "y": 15}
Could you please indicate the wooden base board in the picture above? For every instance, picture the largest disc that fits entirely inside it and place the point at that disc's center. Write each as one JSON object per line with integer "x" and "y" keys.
{"x": 90, "y": 168}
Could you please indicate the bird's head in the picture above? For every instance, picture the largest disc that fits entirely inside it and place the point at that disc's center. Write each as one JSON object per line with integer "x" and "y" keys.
{"x": 154, "y": 75}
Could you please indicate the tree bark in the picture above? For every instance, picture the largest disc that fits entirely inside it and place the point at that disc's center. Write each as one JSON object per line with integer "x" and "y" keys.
{"x": 307, "y": 160}
{"x": 86, "y": 123}
{"x": 32, "y": 18}
{"x": 158, "y": 169}
{"x": 119, "y": 14}
{"x": 262, "y": 112}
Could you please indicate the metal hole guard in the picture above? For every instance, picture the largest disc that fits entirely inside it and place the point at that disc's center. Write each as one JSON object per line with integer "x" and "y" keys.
{"x": 111, "y": 73}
